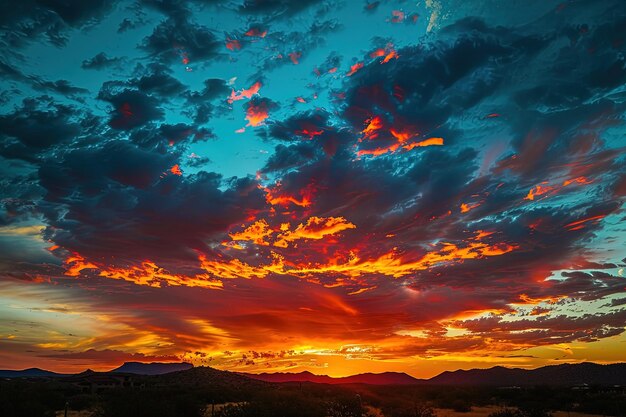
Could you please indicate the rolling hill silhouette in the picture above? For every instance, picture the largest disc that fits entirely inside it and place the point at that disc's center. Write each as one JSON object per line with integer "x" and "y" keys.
{"x": 29, "y": 373}
{"x": 385, "y": 378}
{"x": 565, "y": 374}
{"x": 153, "y": 368}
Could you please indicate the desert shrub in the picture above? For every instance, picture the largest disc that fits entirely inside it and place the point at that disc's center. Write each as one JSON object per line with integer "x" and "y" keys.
{"x": 234, "y": 410}
{"x": 150, "y": 403}
{"x": 82, "y": 401}
{"x": 524, "y": 412}
{"x": 505, "y": 412}
{"x": 277, "y": 404}
{"x": 461, "y": 405}
{"x": 26, "y": 399}
{"x": 347, "y": 406}
{"x": 413, "y": 410}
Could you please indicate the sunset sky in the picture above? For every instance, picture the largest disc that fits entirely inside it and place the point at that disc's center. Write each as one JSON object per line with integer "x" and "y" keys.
{"x": 331, "y": 186}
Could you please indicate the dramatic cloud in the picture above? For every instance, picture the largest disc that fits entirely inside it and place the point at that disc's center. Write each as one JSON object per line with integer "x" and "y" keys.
{"x": 100, "y": 61}
{"x": 132, "y": 109}
{"x": 182, "y": 40}
{"x": 27, "y": 20}
{"x": 265, "y": 185}
{"x": 38, "y": 125}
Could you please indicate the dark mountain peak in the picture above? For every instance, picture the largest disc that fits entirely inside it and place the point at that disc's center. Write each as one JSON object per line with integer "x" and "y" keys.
{"x": 152, "y": 368}
{"x": 383, "y": 378}
{"x": 205, "y": 375}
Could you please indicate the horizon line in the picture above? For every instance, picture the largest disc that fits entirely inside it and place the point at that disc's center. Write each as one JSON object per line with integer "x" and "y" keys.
{"x": 320, "y": 375}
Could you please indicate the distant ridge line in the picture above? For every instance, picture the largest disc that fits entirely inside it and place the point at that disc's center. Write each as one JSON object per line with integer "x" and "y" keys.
{"x": 384, "y": 378}
{"x": 562, "y": 374}
{"x": 586, "y": 373}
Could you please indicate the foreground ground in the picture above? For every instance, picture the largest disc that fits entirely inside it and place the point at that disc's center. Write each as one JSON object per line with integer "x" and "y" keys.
{"x": 370, "y": 412}
{"x": 203, "y": 392}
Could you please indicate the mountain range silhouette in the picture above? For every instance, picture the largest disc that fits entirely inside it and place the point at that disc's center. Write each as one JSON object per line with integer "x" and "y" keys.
{"x": 564, "y": 374}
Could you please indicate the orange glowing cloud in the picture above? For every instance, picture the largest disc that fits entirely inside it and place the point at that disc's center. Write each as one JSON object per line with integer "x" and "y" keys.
{"x": 580, "y": 224}
{"x": 467, "y": 207}
{"x": 427, "y": 142}
{"x": 544, "y": 189}
{"x": 176, "y": 170}
{"x": 525, "y": 299}
{"x": 255, "y": 32}
{"x": 274, "y": 196}
{"x": 577, "y": 180}
{"x": 148, "y": 274}
{"x": 256, "y": 114}
{"x": 233, "y": 44}
{"x": 235, "y": 268}
{"x": 245, "y": 93}
{"x": 377, "y": 151}
{"x": 315, "y": 228}
{"x": 392, "y": 264}
{"x": 401, "y": 137}
{"x": 284, "y": 200}
{"x": 538, "y": 190}
{"x": 256, "y": 232}
{"x": 76, "y": 264}
{"x": 354, "y": 68}
{"x": 362, "y": 290}
{"x": 373, "y": 124}
{"x": 377, "y": 53}
{"x": 390, "y": 55}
